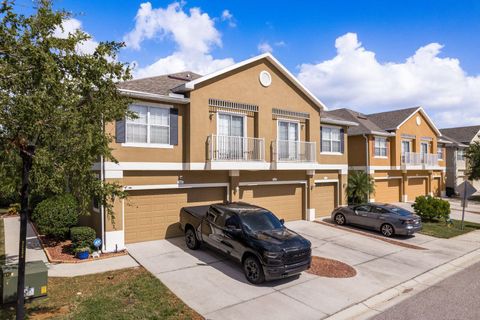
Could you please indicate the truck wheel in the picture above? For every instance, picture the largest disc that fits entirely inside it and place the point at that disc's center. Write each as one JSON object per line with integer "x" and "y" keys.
{"x": 191, "y": 239}
{"x": 253, "y": 270}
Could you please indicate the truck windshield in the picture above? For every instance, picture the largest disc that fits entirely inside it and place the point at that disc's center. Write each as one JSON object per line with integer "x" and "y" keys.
{"x": 261, "y": 221}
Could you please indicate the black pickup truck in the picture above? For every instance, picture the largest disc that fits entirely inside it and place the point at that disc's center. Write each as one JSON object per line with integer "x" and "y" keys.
{"x": 249, "y": 234}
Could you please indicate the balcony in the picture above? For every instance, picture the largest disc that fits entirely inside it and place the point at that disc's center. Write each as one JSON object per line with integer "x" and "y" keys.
{"x": 229, "y": 150}
{"x": 413, "y": 160}
{"x": 294, "y": 151}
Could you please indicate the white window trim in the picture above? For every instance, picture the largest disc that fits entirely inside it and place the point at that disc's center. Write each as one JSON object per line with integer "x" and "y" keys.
{"x": 332, "y": 153}
{"x": 386, "y": 147}
{"x": 148, "y": 144}
{"x": 290, "y": 121}
{"x": 409, "y": 145}
{"x": 443, "y": 153}
{"x": 428, "y": 147}
{"x": 230, "y": 113}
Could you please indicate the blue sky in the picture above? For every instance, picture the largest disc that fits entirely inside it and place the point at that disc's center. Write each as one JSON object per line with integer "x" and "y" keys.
{"x": 383, "y": 36}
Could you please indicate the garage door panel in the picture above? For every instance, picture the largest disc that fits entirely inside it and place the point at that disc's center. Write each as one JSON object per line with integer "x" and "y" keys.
{"x": 387, "y": 190}
{"x": 416, "y": 187}
{"x": 154, "y": 214}
{"x": 286, "y": 201}
{"x": 324, "y": 199}
{"x": 436, "y": 187}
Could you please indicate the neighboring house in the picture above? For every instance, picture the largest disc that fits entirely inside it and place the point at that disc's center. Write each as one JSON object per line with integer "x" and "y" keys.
{"x": 461, "y": 138}
{"x": 250, "y": 132}
{"x": 402, "y": 150}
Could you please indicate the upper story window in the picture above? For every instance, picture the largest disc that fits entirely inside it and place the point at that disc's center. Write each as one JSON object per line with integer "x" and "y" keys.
{"x": 380, "y": 147}
{"x": 332, "y": 139}
{"x": 288, "y": 130}
{"x": 152, "y": 125}
{"x": 461, "y": 155}
{"x": 440, "y": 152}
{"x": 230, "y": 125}
{"x": 406, "y": 146}
{"x": 424, "y": 147}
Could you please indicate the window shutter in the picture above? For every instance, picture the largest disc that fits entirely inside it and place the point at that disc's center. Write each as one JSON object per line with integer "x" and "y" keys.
{"x": 120, "y": 134}
{"x": 174, "y": 126}
{"x": 342, "y": 140}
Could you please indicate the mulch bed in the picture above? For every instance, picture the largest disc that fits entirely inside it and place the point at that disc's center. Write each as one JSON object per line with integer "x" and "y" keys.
{"x": 61, "y": 251}
{"x": 330, "y": 268}
{"x": 381, "y": 238}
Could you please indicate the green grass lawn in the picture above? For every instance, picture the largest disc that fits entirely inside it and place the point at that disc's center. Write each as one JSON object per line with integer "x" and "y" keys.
{"x": 441, "y": 230}
{"x": 124, "y": 294}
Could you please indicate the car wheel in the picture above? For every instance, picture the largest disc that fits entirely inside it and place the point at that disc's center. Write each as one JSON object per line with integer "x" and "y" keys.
{"x": 387, "y": 230}
{"x": 253, "y": 270}
{"x": 191, "y": 239}
{"x": 340, "y": 219}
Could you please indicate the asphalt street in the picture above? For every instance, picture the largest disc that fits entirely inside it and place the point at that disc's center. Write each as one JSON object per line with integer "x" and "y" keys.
{"x": 455, "y": 298}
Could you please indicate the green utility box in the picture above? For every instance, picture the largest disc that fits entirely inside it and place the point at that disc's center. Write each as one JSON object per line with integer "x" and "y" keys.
{"x": 36, "y": 277}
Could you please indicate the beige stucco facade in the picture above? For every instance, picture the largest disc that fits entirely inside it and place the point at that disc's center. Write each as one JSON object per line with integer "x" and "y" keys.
{"x": 159, "y": 181}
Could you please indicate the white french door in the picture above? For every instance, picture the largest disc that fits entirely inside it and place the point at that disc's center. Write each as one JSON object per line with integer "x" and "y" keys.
{"x": 288, "y": 138}
{"x": 231, "y": 133}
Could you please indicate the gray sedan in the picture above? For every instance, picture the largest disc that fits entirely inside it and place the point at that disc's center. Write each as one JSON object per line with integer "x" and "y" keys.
{"x": 386, "y": 218}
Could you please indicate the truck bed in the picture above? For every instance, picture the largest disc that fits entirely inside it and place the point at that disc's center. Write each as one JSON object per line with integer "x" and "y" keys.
{"x": 199, "y": 212}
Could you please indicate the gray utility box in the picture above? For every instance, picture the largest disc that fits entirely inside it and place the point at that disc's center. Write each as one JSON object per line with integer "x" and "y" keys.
{"x": 36, "y": 277}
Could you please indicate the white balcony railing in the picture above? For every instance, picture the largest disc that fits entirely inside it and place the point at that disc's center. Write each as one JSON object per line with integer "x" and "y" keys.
{"x": 229, "y": 148}
{"x": 419, "y": 159}
{"x": 293, "y": 151}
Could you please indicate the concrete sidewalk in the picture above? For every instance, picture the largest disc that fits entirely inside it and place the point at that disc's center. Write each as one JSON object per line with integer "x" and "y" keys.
{"x": 35, "y": 252}
{"x": 217, "y": 289}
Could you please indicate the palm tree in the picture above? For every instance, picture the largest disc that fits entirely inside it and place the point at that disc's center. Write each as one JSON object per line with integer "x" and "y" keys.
{"x": 360, "y": 185}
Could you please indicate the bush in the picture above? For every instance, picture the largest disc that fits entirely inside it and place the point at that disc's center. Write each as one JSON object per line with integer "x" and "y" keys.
{"x": 56, "y": 215}
{"x": 82, "y": 237}
{"x": 13, "y": 209}
{"x": 430, "y": 208}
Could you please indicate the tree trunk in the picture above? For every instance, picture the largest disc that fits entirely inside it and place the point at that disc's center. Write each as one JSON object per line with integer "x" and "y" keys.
{"x": 27, "y": 158}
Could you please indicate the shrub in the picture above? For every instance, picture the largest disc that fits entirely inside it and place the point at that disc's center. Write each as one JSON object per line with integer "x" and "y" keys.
{"x": 56, "y": 215}
{"x": 82, "y": 237}
{"x": 13, "y": 209}
{"x": 430, "y": 208}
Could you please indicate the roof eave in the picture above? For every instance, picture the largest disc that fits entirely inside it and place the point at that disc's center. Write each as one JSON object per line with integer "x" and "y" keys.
{"x": 153, "y": 96}
{"x": 338, "y": 122}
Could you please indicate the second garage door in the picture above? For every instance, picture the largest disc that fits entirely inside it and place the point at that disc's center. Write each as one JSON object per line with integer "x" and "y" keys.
{"x": 284, "y": 200}
{"x": 387, "y": 191}
{"x": 154, "y": 214}
{"x": 324, "y": 199}
{"x": 416, "y": 187}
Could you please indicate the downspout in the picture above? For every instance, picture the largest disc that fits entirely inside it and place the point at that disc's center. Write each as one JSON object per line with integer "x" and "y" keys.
{"x": 367, "y": 159}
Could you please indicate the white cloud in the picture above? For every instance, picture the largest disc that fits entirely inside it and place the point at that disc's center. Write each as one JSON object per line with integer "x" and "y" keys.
{"x": 280, "y": 43}
{"x": 228, "y": 16}
{"x": 71, "y": 26}
{"x": 354, "y": 78}
{"x": 193, "y": 32}
{"x": 264, "y": 47}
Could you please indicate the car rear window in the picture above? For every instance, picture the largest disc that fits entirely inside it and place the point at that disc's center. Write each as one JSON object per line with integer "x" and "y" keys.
{"x": 400, "y": 211}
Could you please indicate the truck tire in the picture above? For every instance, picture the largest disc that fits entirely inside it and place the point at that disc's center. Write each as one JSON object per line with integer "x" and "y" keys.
{"x": 253, "y": 270}
{"x": 191, "y": 239}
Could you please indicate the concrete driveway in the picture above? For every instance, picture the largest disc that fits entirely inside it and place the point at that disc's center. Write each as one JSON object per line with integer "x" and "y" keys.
{"x": 216, "y": 287}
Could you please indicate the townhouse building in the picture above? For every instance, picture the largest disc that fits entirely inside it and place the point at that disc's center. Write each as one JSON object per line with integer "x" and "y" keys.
{"x": 250, "y": 132}
{"x": 460, "y": 138}
{"x": 402, "y": 150}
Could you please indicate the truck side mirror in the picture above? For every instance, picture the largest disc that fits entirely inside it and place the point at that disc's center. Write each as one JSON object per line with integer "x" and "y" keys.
{"x": 282, "y": 221}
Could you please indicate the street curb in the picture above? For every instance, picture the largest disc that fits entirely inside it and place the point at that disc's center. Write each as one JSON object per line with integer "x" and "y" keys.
{"x": 386, "y": 299}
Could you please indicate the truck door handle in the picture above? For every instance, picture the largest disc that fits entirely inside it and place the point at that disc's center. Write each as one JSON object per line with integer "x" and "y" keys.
{"x": 228, "y": 244}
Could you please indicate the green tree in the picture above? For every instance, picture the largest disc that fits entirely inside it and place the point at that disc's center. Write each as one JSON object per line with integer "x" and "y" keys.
{"x": 54, "y": 102}
{"x": 472, "y": 154}
{"x": 360, "y": 186}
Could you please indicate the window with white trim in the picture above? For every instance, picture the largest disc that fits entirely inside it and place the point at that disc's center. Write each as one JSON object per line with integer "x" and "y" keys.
{"x": 461, "y": 155}
{"x": 152, "y": 125}
{"x": 440, "y": 152}
{"x": 380, "y": 147}
{"x": 331, "y": 139}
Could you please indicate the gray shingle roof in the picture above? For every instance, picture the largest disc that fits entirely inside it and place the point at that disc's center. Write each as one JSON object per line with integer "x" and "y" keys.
{"x": 461, "y": 134}
{"x": 391, "y": 119}
{"x": 159, "y": 85}
{"x": 329, "y": 117}
{"x": 365, "y": 125}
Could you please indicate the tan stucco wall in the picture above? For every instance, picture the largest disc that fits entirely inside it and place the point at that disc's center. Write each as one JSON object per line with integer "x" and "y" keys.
{"x": 242, "y": 85}
{"x": 356, "y": 151}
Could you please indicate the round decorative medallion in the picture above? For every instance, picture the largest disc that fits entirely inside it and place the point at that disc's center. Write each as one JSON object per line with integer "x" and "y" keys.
{"x": 419, "y": 120}
{"x": 265, "y": 78}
